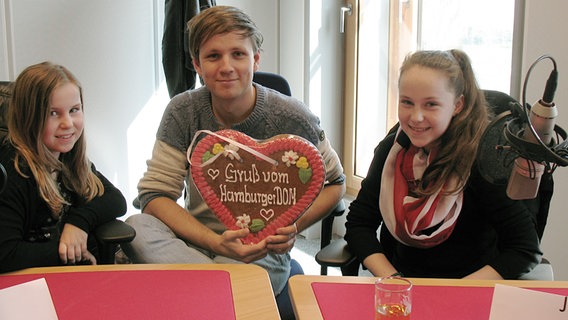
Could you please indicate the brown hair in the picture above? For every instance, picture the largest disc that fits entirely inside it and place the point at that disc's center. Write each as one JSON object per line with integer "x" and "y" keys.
{"x": 219, "y": 20}
{"x": 458, "y": 145}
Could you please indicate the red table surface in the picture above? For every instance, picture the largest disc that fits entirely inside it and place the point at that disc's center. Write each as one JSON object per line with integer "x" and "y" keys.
{"x": 355, "y": 301}
{"x": 144, "y": 294}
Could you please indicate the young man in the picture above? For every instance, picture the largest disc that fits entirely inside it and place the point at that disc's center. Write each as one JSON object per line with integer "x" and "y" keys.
{"x": 225, "y": 46}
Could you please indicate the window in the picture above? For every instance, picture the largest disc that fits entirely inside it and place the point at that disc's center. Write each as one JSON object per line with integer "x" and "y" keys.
{"x": 386, "y": 31}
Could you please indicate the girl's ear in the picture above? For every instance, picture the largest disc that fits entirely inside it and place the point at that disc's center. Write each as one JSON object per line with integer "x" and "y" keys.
{"x": 459, "y": 105}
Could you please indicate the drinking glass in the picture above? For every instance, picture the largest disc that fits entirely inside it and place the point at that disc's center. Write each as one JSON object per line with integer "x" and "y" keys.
{"x": 393, "y": 298}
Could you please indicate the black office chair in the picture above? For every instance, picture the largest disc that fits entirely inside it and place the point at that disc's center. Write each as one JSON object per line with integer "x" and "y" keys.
{"x": 279, "y": 83}
{"x": 273, "y": 81}
{"x": 109, "y": 235}
{"x": 337, "y": 254}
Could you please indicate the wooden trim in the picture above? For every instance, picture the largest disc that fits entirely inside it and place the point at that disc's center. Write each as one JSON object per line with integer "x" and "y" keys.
{"x": 350, "y": 102}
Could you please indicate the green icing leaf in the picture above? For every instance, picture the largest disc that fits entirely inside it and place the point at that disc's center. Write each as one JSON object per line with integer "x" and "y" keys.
{"x": 305, "y": 175}
{"x": 256, "y": 225}
{"x": 206, "y": 156}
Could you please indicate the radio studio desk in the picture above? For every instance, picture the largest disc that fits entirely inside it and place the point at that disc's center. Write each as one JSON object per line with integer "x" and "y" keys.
{"x": 337, "y": 297}
{"x": 146, "y": 291}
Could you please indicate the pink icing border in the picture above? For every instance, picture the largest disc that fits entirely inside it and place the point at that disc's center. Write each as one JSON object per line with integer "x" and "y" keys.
{"x": 270, "y": 146}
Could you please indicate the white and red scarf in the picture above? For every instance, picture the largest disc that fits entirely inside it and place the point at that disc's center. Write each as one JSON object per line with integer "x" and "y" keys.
{"x": 418, "y": 222}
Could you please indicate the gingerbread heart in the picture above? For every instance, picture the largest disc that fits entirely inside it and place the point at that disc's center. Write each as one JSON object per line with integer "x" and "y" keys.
{"x": 260, "y": 185}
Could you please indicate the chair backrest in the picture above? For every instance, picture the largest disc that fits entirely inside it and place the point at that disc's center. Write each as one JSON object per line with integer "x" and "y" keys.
{"x": 5, "y": 94}
{"x": 273, "y": 81}
{"x": 498, "y": 101}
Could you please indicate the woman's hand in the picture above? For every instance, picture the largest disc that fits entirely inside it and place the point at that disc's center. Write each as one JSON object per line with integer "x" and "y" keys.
{"x": 73, "y": 246}
{"x": 284, "y": 239}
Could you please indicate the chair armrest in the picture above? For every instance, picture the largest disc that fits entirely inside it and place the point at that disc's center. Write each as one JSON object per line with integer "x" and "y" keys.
{"x": 336, "y": 254}
{"x": 3, "y": 178}
{"x": 327, "y": 223}
{"x": 542, "y": 271}
{"x": 115, "y": 231}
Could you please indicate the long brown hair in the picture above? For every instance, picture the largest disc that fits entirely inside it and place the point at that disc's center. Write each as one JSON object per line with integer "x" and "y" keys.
{"x": 28, "y": 110}
{"x": 459, "y": 144}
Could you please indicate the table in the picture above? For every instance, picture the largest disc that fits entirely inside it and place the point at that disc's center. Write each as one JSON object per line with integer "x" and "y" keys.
{"x": 343, "y": 297}
{"x": 149, "y": 291}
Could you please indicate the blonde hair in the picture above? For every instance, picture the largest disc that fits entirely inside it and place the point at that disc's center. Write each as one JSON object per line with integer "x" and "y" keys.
{"x": 459, "y": 143}
{"x": 28, "y": 110}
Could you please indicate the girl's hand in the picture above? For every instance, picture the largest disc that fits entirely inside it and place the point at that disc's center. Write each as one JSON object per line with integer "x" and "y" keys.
{"x": 73, "y": 246}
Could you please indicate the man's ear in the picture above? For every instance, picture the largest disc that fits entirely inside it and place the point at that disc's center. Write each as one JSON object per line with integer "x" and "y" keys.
{"x": 196, "y": 66}
{"x": 256, "y": 61}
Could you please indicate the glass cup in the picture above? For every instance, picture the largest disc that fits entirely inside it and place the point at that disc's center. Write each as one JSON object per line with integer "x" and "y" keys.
{"x": 393, "y": 298}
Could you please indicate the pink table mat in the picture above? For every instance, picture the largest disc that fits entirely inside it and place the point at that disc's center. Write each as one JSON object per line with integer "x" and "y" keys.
{"x": 355, "y": 301}
{"x": 163, "y": 294}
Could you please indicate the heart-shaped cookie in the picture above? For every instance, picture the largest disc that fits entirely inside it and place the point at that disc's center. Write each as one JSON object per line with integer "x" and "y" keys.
{"x": 260, "y": 185}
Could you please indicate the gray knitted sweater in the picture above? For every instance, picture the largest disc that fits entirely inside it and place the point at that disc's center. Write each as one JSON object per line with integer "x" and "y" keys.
{"x": 191, "y": 111}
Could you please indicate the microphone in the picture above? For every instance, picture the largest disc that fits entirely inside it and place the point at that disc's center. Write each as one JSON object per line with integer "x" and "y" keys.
{"x": 526, "y": 174}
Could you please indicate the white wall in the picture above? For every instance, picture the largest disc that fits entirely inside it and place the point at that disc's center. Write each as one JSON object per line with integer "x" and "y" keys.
{"x": 545, "y": 24}
{"x": 4, "y": 58}
{"x": 114, "y": 48}
{"x": 109, "y": 46}
{"x": 302, "y": 42}
{"x": 266, "y": 16}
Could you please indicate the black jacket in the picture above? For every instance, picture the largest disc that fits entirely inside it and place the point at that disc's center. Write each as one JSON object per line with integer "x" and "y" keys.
{"x": 29, "y": 236}
{"x": 176, "y": 60}
{"x": 491, "y": 230}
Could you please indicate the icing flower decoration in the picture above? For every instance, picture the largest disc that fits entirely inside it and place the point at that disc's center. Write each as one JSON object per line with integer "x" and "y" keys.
{"x": 243, "y": 221}
{"x": 217, "y": 148}
{"x": 231, "y": 151}
{"x": 302, "y": 163}
{"x": 289, "y": 158}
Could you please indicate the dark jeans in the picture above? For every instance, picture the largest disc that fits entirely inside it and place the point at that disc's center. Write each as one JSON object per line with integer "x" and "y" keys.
{"x": 283, "y": 299}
